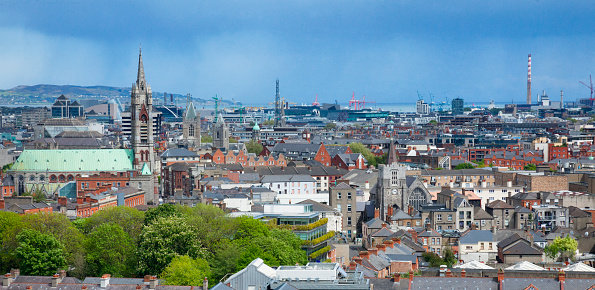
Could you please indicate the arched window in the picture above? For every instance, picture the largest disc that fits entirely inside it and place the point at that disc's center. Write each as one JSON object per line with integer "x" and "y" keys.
{"x": 62, "y": 178}
{"x": 70, "y": 177}
{"x": 191, "y": 130}
{"x": 31, "y": 177}
{"x": 53, "y": 178}
{"x": 417, "y": 198}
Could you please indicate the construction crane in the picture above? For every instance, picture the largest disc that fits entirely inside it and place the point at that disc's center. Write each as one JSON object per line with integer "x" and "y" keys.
{"x": 316, "y": 103}
{"x": 217, "y": 101}
{"x": 353, "y": 101}
{"x": 363, "y": 102}
{"x": 240, "y": 108}
{"x": 590, "y": 86}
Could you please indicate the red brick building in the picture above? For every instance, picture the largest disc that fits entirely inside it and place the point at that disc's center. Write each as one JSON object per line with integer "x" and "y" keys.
{"x": 101, "y": 182}
{"x": 245, "y": 160}
{"x": 557, "y": 152}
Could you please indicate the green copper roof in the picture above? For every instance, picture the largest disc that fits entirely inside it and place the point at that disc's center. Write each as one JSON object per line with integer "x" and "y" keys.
{"x": 145, "y": 170}
{"x": 75, "y": 160}
{"x": 190, "y": 113}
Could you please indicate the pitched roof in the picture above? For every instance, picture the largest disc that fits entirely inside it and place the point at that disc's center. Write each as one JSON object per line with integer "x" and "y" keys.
{"x": 509, "y": 240}
{"x": 526, "y": 266}
{"x": 481, "y": 214}
{"x": 383, "y": 232}
{"x": 476, "y": 236}
{"x": 317, "y": 206}
{"x": 75, "y": 160}
{"x": 498, "y": 204}
{"x": 178, "y": 152}
{"x": 521, "y": 248}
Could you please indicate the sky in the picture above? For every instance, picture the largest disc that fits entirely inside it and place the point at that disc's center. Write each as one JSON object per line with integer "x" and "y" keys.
{"x": 388, "y": 51}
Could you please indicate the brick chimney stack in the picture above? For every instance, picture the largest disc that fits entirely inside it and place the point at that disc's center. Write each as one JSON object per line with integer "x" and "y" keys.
{"x": 376, "y": 213}
{"x": 500, "y": 277}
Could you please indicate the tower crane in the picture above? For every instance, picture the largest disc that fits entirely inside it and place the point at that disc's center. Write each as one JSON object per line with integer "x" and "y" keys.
{"x": 240, "y": 108}
{"x": 217, "y": 101}
{"x": 590, "y": 86}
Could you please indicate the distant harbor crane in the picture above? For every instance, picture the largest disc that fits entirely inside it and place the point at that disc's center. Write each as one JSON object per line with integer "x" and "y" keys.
{"x": 590, "y": 86}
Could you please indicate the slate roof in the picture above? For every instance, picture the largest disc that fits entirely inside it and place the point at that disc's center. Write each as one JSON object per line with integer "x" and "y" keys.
{"x": 577, "y": 212}
{"x": 480, "y": 214}
{"x": 334, "y": 150}
{"x": 522, "y": 209}
{"x": 75, "y": 160}
{"x": 317, "y": 206}
{"x": 383, "y": 232}
{"x": 521, "y": 248}
{"x": 399, "y": 215}
{"x": 374, "y": 223}
{"x": 178, "y": 152}
{"x": 287, "y": 178}
{"x": 476, "y": 236}
{"x": 312, "y": 170}
{"x": 509, "y": 240}
{"x": 454, "y": 283}
{"x": 499, "y": 204}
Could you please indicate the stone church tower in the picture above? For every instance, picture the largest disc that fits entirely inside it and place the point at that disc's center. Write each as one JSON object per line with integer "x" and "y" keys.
{"x": 141, "y": 107}
{"x": 221, "y": 134}
{"x": 396, "y": 190}
{"x": 191, "y": 126}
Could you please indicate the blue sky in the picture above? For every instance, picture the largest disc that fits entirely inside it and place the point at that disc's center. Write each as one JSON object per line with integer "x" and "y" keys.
{"x": 386, "y": 50}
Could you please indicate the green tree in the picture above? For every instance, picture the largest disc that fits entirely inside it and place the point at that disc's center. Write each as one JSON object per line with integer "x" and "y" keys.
{"x": 252, "y": 252}
{"x": 254, "y": 147}
{"x": 268, "y": 123}
{"x": 110, "y": 250}
{"x": 464, "y": 166}
{"x": 449, "y": 257}
{"x": 232, "y": 140}
{"x": 224, "y": 259}
{"x": 164, "y": 210}
{"x": 372, "y": 159}
{"x": 432, "y": 258}
{"x": 206, "y": 138}
{"x": 330, "y": 126}
{"x": 562, "y": 248}
{"x": 433, "y": 122}
{"x": 7, "y": 167}
{"x": 10, "y": 225}
{"x": 60, "y": 227}
{"x": 39, "y": 254}
{"x": 186, "y": 271}
{"x": 249, "y": 229}
{"x": 131, "y": 220}
{"x": 164, "y": 239}
{"x": 530, "y": 166}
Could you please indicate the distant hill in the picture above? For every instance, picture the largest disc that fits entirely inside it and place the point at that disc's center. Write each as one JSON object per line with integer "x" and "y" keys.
{"x": 45, "y": 91}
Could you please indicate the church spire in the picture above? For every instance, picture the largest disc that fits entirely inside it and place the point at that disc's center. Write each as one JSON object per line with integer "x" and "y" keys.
{"x": 140, "y": 78}
{"x": 392, "y": 153}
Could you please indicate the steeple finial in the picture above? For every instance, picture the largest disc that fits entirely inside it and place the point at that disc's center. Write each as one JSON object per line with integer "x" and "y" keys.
{"x": 140, "y": 78}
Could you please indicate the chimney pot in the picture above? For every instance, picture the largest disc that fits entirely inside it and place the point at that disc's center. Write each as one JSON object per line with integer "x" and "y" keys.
{"x": 500, "y": 276}
{"x": 147, "y": 278}
{"x": 397, "y": 278}
{"x": 138, "y": 287}
{"x": 153, "y": 282}
{"x": 84, "y": 287}
{"x": 28, "y": 287}
{"x": 463, "y": 273}
{"x": 561, "y": 276}
{"x": 7, "y": 280}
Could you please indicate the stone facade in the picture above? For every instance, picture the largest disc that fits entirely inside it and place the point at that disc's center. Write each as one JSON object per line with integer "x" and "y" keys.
{"x": 395, "y": 189}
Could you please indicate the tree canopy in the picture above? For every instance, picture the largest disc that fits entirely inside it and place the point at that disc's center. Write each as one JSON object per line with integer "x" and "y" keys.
{"x": 464, "y": 166}
{"x": 186, "y": 271}
{"x": 562, "y": 247}
{"x": 39, "y": 254}
{"x": 254, "y": 147}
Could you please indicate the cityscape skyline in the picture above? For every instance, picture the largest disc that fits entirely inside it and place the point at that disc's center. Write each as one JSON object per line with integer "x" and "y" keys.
{"x": 386, "y": 51}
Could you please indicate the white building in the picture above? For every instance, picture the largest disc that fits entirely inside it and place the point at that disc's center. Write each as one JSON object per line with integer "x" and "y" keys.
{"x": 478, "y": 245}
{"x": 294, "y": 188}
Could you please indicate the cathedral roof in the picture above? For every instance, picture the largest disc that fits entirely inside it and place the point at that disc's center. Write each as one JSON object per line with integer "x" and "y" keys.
{"x": 256, "y": 127}
{"x": 190, "y": 112}
{"x": 73, "y": 160}
{"x": 146, "y": 170}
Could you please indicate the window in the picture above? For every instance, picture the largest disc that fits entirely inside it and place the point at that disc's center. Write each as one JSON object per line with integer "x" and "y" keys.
{"x": 348, "y": 208}
{"x": 433, "y": 241}
{"x": 439, "y": 228}
{"x": 338, "y": 195}
{"x": 349, "y": 195}
{"x": 449, "y": 217}
{"x": 469, "y": 247}
{"x": 561, "y": 213}
{"x": 338, "y": 207}
{"x": 506, "y": 212}
{"x": 348, "y": 220}
{"x": 522, "y": 216}
{"x": 461, "y": 215}
{"x": 491, "y": 198}
{"x": 439, "y": 217}
{"x": 481, "y": 246}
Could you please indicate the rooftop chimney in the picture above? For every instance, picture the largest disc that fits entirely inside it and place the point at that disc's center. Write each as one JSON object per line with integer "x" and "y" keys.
{"x": 372, "y": 251}
{"x": 62, "y": 200}
{"x": 2, "y": 204}
{"x": 364, "y": 254}
{"x": 15, "y": 273}
{"x": 138, "y": 287}
{"x": 561, "y": 276}
{"x": 104, "y": 280}
{"x": 205, "y": 283}
{"x": 56, "y": 280}
{"x": 463, "y": 273}
{"x": 376, "y": 213}
{"x": 500, "y": 277}
{"x": 389, "y": 243}
{"x": 396, "y": 277}
{"x": 381, "y": 247}
{"x": 62, "y": 274}
{"x": 7, "y": 280}
{"x": 448, "y": 273}
{"x": 352, "y": 265}
{"x": 153, "y": 282}
{"x": 367, "y": 186}
{"x": 147, "y": 278}
{"x": 357, "y": 260}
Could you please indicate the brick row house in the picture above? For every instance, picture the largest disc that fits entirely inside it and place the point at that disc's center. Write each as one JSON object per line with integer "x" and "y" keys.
{"x": 513, "y": 160}
{"x": 240, "y": 157}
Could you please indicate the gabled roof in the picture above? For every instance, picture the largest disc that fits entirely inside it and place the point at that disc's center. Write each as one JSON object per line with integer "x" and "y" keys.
{"x": 383, "y": 232}
{"x": 521, "y": 248}
{"x": 317, "y": 206}
{"x": 400, "y": 215}
{"x": 341, "y": 185}
{"x": 577, "y": 212}
{"x": 499, "y": 204}
{"x": 476, "y": 236}
{"x": 374, "y": 223}
{"x": 480, "y": 214}
{"x": 509, "y": 240}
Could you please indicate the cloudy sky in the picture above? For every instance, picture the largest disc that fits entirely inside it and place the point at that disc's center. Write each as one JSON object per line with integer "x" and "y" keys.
{"x": 386, "y": 50}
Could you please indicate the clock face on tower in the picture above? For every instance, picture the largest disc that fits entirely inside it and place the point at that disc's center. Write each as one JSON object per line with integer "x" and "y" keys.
{"x": 394, "y": 191}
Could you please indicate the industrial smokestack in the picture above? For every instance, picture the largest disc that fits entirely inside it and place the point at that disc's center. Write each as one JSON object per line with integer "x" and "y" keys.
{"x": 529, "y": 82}
{"x": 561, "y": 99}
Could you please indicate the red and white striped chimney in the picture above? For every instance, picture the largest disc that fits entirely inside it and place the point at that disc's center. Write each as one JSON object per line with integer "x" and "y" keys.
{"x": 529, "y": 82}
